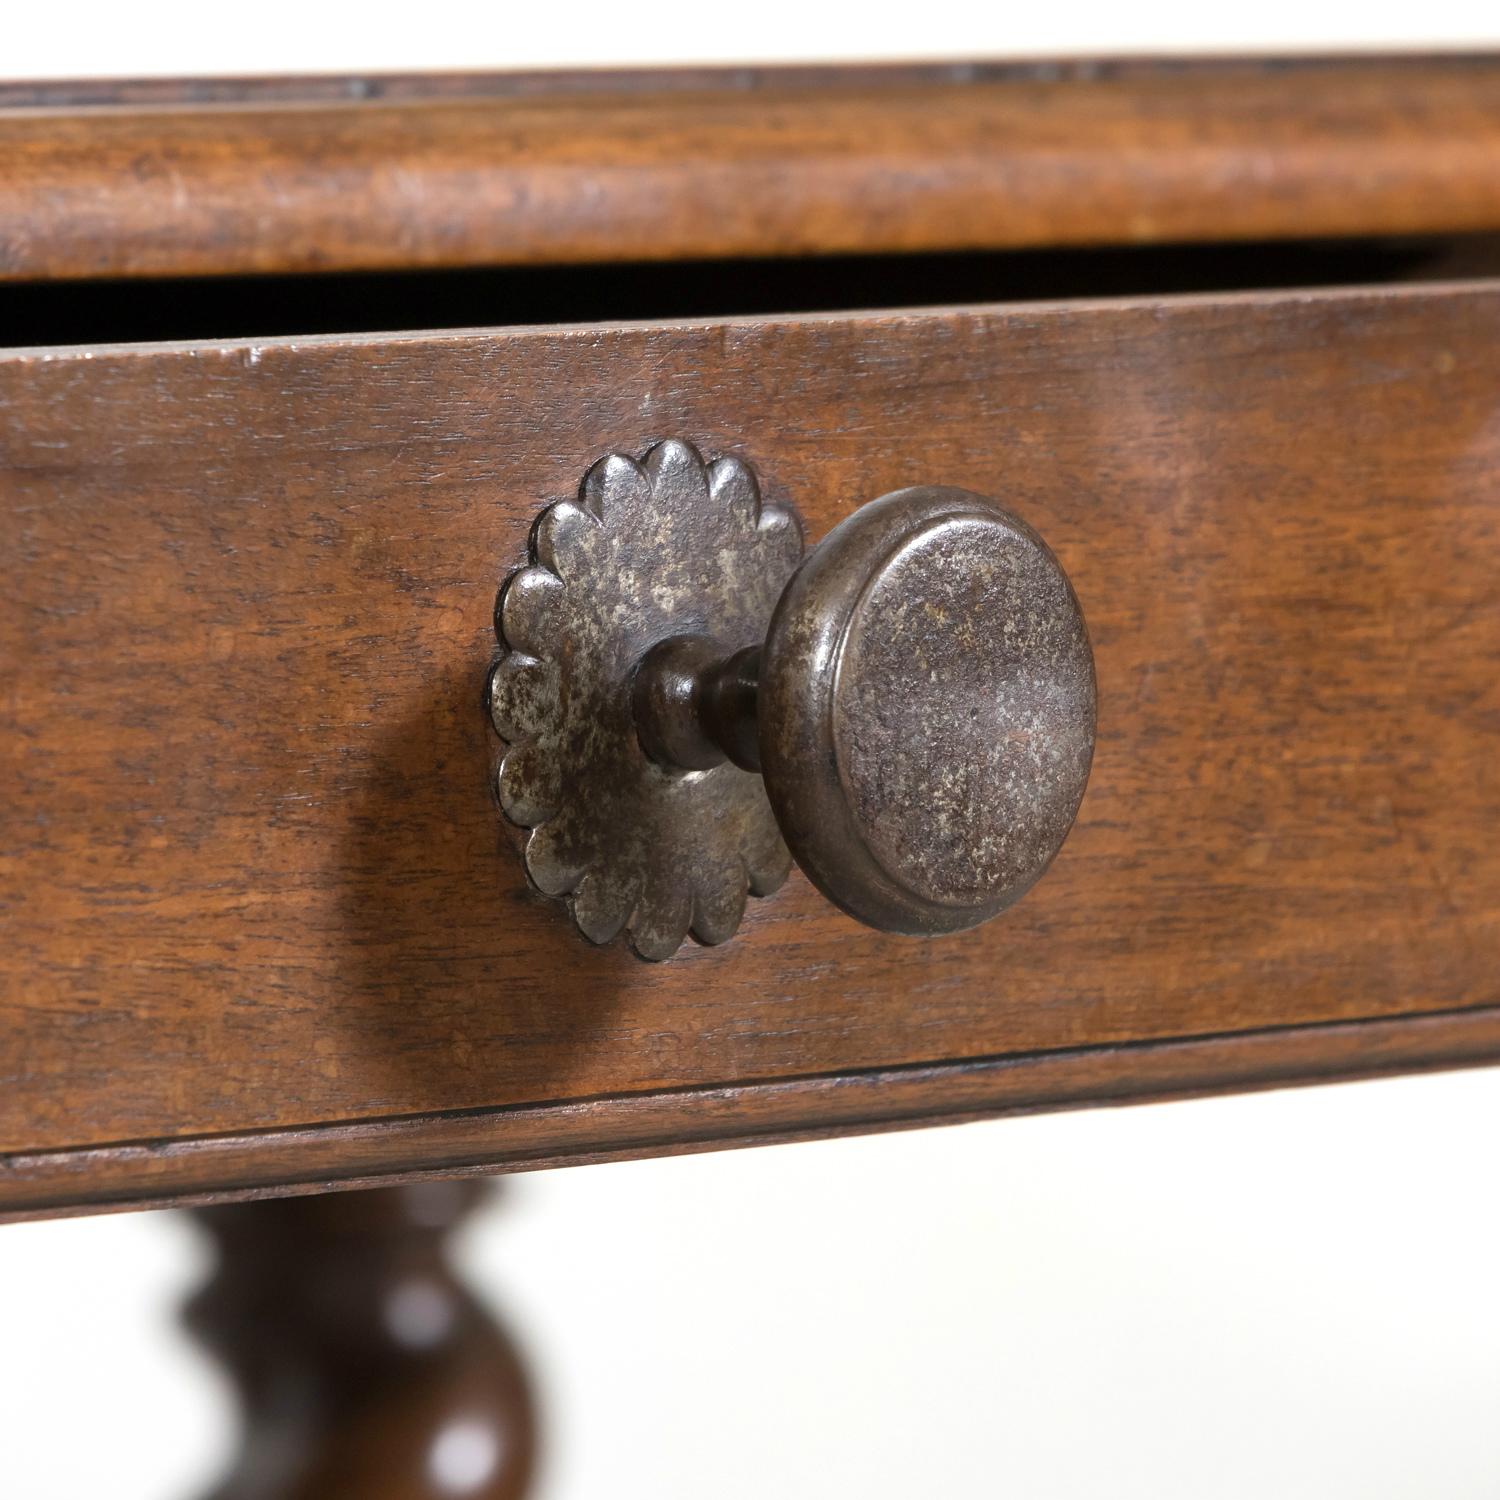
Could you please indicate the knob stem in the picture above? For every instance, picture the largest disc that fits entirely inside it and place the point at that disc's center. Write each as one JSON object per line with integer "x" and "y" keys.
{"x": 695, "y": 704}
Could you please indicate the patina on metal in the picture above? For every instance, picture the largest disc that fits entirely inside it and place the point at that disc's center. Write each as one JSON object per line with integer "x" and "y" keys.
{"x": 926, "y": 709}
{"x": 919, "y": 697}
{"x": 664, "y": 547}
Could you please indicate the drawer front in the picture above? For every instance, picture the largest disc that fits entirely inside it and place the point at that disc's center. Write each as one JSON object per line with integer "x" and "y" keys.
{"x": 263, "y": 918}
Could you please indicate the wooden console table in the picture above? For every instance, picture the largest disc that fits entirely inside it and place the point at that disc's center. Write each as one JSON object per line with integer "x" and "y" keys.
{"x": 290, "y": 370}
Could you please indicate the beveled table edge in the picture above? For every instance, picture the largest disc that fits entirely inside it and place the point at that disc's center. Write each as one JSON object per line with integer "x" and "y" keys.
{"x": 181, "y": 1172}
{"x": 153, "y": 178}
{"x": 227, "y": 90}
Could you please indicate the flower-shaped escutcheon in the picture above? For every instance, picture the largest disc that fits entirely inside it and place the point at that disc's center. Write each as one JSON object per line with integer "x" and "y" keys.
{"x": 662, "y": 547}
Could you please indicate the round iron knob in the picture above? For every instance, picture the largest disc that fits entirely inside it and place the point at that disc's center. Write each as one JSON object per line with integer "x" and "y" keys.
{"x": 922, "y": 710}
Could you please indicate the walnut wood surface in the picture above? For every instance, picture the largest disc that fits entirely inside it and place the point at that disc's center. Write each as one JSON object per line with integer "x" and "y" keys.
{"x": 255, "y": 889}
{"x": 187, "y": 179}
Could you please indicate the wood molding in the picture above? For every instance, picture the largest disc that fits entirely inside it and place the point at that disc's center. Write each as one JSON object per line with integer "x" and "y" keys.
{"x": 215, "y": 1169}
{"x": 172, "y": 179}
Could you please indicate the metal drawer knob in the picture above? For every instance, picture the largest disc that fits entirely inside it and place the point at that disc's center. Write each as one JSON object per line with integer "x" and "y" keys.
{"x": 911, "y": 709}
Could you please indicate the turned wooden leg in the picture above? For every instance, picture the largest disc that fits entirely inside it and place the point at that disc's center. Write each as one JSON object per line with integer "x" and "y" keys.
{"x": 366, "y": 1369}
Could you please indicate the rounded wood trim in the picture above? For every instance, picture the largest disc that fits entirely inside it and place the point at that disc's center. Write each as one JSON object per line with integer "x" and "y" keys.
{"x": 187, "y": 179}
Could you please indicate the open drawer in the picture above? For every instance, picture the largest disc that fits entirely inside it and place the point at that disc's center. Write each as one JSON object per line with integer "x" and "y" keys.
{"x": 265, "y": 927}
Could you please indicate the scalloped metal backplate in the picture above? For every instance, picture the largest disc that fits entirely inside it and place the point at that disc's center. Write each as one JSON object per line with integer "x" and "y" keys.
{"x": 667, "y": 545}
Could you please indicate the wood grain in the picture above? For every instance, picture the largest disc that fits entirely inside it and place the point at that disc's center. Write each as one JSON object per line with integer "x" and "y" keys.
{"x": 188, "y": 179}
{"x": 251, "y": 874}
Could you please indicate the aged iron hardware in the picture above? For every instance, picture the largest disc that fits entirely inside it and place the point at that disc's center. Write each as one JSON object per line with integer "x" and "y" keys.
{"x": 911, "y": 709}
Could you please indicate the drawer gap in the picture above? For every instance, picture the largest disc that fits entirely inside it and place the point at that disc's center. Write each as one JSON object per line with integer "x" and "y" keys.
{"x": 87, "y": 312}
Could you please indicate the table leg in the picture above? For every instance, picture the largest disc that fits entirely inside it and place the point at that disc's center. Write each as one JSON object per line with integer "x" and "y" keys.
{"x": 365, "y": 1367}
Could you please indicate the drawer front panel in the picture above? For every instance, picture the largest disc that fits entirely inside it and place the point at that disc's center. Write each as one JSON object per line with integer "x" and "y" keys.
{"x": 251, "y": 869}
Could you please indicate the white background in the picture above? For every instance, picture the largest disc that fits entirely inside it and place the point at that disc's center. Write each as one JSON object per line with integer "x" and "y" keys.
{"x": 1283, "y": 1295}
{"x": 1277, "y": 1297}
{"x": 64, "y": 39}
